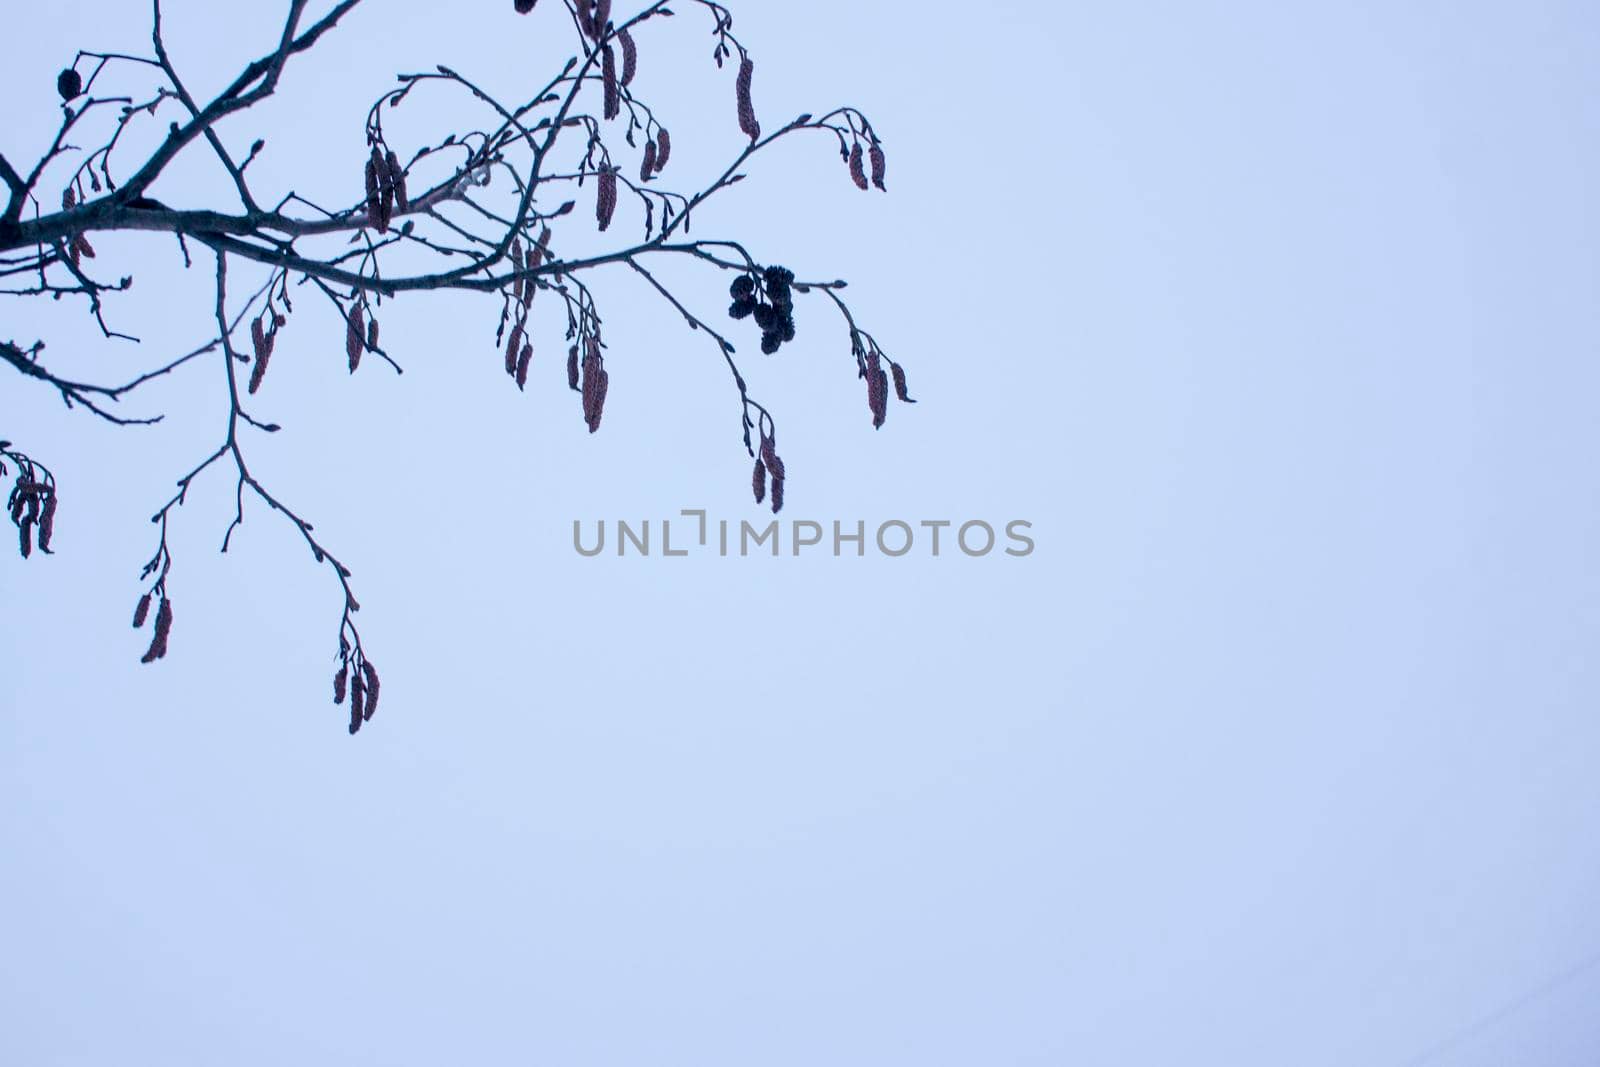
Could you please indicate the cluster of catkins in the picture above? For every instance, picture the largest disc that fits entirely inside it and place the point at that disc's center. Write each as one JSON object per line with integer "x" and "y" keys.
{"x": 386, "y": 188}
{"x": 158, "y": 640}
{"x": 32, "y": 504}
{"x": 768, "y": 465}
{"x": 595, "y": 380}
{"x": 775, "y": 315}
{"x": 359, "y": 335}
{"x": 519, "y": 350}
{"x": 871, "y": 368}
{"x": 361, "y": 679}
{"x": 263, "y": 338}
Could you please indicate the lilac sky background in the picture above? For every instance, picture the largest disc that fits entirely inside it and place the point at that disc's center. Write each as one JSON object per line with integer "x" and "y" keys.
{"x": 1278, "y": 322}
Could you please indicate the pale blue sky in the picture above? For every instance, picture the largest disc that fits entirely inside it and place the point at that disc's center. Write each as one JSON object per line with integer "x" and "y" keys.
{"x": 1278, "y": 321}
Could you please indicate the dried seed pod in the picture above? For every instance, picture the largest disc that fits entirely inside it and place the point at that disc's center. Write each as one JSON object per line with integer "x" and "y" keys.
{"x": 630, "y": 56}
{"x": 758, "y": 481}
{"x": 777, "y": 495}
{"x": 397, "y": 175}
{"x": 899, "y": 382}
{"x": 648, "y": 166}
{"x": 513, "y": 348}
{"x": 663, "y": 148}
{"x": 141, "y": 611}
{"x": 522, "y": 365}
{"x": 572, "y": 367}
{"x": 47, "y": 522}
{"x": 605, "y": 201}
{"x": 339, "y": 681}
{"x": 858, "y": 173}
{"x": 354, "y": 336}
{"x": 747, "y": 111}
{"x": 374, "y": 208}
{"x": 878, "y": 165}
{"x": 371, "y": 676}
{"x": 69, "y": 83}
{"x": 608, "y": 80}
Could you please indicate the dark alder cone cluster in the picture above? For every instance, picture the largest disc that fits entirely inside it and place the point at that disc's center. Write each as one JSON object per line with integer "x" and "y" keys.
{"x": 69, "y": 83}
{"x": 360, "y": 678}
{"x": 33, "y": 507}
{"x": 775, "y": 315}
{"x": 158, "y": 640}
{"x": 747, "y": 110}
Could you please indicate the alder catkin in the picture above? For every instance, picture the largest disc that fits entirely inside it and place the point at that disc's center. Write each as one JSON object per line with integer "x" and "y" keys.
{"x": 372, "y": 334}
{"x": 877, "y": 390}
{"x": 371, "y": 675}
{"x": 158, "y": 640}
{"x": 608, "y": 79}
{"x": 602, "y": 17}
{"x": 857, "y": 173}
{"x": 605, "y": 204}
{"x": 354, "y": 337}
{"x": 758, "y": 481}
{"x": 373, "y": 207}
{"x": 398, "y": 176}
{"x": 899, "y": 382}
{"x": 777, "y": 495}
{"x": 47, "y": 522}
{"x": 339, "y": 681}
{"x": 747, "y": 111}
{"x": 513, "y": 347}
{"x": 630, "y": 56}
{"x": 572, "y": 367}
{"x": 522, "y": 365}
{"x": 141, "y": 611}
{"x": 648, "y": 166}
{"x": 769, "y": 455}
{"x": 663, "y": 148}
{"x": 878, "y": 165}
